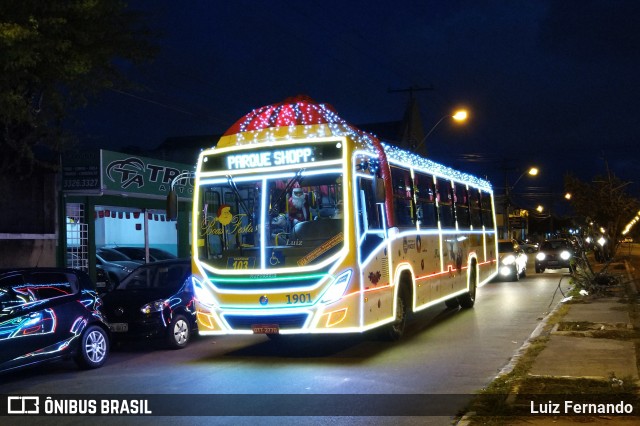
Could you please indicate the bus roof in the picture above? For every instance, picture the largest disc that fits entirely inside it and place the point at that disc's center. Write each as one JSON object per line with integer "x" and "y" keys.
{"x": 301, "y": 117}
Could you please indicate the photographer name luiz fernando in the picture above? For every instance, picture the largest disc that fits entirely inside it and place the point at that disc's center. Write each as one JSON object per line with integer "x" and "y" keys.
{"x": 92, "y": 406}
{"x": 571, "y": 408}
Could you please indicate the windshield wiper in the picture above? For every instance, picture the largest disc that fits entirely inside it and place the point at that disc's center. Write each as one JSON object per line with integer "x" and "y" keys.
{"x": 236, "y": 192}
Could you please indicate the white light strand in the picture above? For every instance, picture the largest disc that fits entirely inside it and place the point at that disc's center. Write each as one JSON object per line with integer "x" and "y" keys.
{"x": 264, "y": 120}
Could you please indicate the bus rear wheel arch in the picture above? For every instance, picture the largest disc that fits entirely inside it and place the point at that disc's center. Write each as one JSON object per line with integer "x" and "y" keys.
{"x": 395, "y": 330}
{"x": 468, "y": 299}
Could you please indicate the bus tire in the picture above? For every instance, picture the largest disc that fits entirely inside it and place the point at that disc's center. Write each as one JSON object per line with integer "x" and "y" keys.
{"x": 452, "y": 303}
{"x": 468, "y": 299}
{"x": 395, "y": 330}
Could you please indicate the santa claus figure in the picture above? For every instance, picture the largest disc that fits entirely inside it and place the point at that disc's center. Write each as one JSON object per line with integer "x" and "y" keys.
{"x": 298, "y": 206}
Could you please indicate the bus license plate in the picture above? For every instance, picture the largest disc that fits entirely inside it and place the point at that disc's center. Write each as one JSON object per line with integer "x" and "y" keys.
{"x": 119, "y": 327}
{"x": 265, "y": 328}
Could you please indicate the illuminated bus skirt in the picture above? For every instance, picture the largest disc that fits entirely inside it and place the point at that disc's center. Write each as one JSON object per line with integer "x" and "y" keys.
{"x": 342, "y": 316}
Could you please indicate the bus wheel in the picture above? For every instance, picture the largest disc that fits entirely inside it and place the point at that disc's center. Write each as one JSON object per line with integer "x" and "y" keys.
{"x": 452, "y": 303}
{"x": 468, "y": 299}
{"x": 395, "y": 330}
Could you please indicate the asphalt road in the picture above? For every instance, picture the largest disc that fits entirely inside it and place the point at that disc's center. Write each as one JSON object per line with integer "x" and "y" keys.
{"x": 445, "y": 352}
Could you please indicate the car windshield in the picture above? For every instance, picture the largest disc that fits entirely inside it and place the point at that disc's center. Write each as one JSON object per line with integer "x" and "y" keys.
{"x": 157, "y": 277}
{"x": 505, "y": 247}
{"x": 138, "y": 253}
{"x": 111, "y": 255}
{"x": 555, "y": 245}
{"x": 161, "y": 254}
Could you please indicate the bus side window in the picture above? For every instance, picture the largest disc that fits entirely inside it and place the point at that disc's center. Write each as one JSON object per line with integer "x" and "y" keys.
{"x": 369, "y": 218}
{"x": 487, "y": 216}
{"x": 445, "y": 203}
{"x": 402, "y": 196}
{"x": 462, "y": 206}
{"x": 425, "y": 192}
{"x": 476, "y": 211}
{"x": 368, "y": 212}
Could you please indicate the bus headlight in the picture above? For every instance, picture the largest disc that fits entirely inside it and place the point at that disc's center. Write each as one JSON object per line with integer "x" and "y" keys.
{"x": 338, "y": 287}
{"x": 565, "y": 255}
{"x": 202, "y": 293}
{"x": 540, "y": 256}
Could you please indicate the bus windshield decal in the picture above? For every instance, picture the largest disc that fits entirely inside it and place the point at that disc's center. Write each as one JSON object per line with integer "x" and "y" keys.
{"x": 337, "y": 239}
{"x": 230, "y": 224}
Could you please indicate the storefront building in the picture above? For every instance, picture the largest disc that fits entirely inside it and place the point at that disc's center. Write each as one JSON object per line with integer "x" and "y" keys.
{"x": 115, "y": 200}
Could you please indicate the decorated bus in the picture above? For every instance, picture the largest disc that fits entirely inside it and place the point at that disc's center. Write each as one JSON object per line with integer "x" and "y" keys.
{"x": 302, "y": 224}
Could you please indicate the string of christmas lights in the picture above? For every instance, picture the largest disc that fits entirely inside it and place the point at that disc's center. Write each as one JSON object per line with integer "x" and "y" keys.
{"x": 301, "y": 117}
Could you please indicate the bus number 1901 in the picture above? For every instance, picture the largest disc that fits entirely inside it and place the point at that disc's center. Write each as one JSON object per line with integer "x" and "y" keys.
{"x": 293, "y": 299}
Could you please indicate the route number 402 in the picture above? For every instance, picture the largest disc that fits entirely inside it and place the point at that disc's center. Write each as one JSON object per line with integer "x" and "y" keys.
{"x": 293, "y": 299}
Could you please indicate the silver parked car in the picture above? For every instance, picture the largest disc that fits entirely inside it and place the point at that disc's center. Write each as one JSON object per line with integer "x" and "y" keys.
{"x": 115, "y": 264}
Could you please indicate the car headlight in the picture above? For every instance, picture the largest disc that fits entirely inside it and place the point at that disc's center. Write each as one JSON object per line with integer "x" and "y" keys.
{"x": 156, "y": 306}
{"x": 540, "y": 256}
{"x": 509, "y": 260}
{"x": 338, "y": 287}
{"x": 565, "y": 255}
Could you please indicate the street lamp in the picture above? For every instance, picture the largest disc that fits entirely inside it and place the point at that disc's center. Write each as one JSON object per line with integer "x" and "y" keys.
{"x": 460, "y": 116}
{"x": 532, "y": 171}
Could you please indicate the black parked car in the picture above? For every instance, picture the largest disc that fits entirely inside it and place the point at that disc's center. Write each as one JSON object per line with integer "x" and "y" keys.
{"x": 154, "y": 301}
{"x": 50, "y": 313}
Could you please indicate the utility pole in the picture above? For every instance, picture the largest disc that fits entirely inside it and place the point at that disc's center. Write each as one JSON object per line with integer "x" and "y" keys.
{"x": 411, "y": 89}
{"x": 408, "y": 137}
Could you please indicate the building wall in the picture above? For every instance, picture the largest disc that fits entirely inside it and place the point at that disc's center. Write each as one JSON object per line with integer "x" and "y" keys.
{"x": 27, "y": 252}
{"x": 28, "y": 220}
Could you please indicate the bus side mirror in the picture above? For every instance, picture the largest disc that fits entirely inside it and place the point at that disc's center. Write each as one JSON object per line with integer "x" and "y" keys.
{"x": 172, "y": 205}
{"x": 378, "y": 190}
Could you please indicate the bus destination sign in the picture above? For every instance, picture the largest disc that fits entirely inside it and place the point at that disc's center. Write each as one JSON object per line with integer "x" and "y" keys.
{"x": 272, "y": 157}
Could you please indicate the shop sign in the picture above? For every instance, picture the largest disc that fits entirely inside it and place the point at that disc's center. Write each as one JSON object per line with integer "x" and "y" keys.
{"x": 81, "y": 171}
{"x": 516, "y": 222}
{"x": 125, "y": 173}
{"x": 114, "y": 172}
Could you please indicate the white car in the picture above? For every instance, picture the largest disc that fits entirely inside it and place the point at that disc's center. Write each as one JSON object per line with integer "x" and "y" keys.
{"x": 513, "y": 260}
{"x": 529, "y": 246}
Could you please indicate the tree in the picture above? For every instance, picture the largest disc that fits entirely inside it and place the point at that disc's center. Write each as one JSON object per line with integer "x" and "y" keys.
{"x": 56, "y": 55}
{"x": 604, "y": 201}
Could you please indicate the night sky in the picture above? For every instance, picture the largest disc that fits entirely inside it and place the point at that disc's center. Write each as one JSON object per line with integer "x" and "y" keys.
{"x": 547, "y": 83}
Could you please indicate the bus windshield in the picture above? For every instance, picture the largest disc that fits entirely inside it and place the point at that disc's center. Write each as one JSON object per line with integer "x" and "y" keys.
{"x": 271, "y": 222}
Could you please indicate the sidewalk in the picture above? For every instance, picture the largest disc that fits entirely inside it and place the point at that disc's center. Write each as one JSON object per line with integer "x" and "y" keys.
{"x": 582, "y": 330}
{"x": 595, "y": 340}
